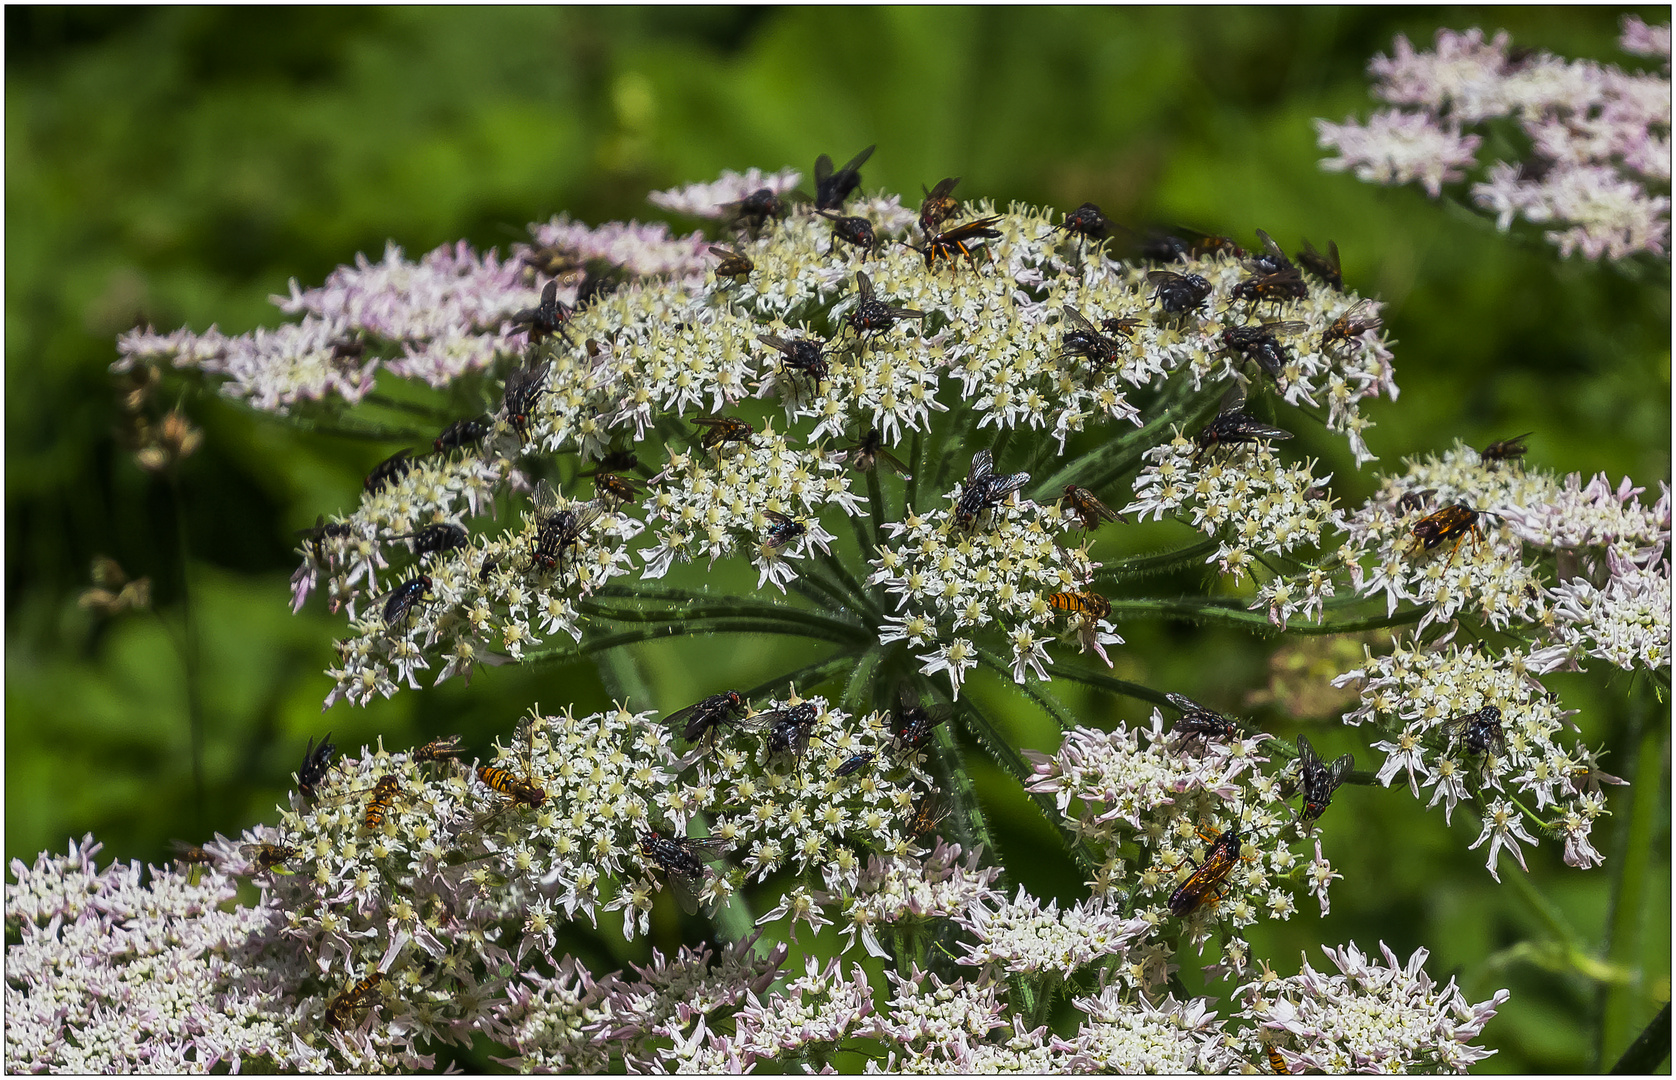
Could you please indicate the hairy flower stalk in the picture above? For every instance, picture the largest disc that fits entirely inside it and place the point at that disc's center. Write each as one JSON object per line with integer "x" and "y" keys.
{"x": 903, "y": 450}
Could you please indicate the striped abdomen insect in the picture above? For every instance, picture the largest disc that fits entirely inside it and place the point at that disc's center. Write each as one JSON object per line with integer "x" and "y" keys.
{"x": 1209, "y": 876}
{"x": 383, "y": 794}
{"x": 520, "y": 790}
{"x": 341, "y": 1009}
{"x": 1090, "y": 604}
{"x": 438, "y": 749}
{"x": 721, "y": 429}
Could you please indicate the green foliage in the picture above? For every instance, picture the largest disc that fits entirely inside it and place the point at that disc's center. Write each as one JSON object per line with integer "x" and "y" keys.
{"x": 177, "y": 166}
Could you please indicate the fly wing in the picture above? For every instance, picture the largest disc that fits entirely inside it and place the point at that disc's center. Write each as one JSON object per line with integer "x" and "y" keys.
{"x": 1341, "y": 769}
{"x": 1002, "y": 485}
{"x": 1308, "y": 760}
{"x": 854, "y": 164}
{"x": 864, "y": 284}
{"x": 823, "y": 173}
{"x": 546, "y": 501}
{"x": 1291, "y": 327}
{"x": 1185, "y": 703}
{"x": 1078, "y": 323}
{"x": 983, "y": 463}
{"x": 687, "y": 888}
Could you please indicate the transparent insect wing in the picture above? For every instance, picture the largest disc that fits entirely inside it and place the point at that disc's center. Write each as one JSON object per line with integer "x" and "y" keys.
{"x": 1079, "y": 324}
{"x": 1185, "y": 704}
{"x": 1001, "y": 485}
{"x": 1339, "y": 770}
{"x": 865, "y": 285}
{"x": 982, "y": 464}
{"x": 545, "y": 499}
{"x": 1273, "y": 250}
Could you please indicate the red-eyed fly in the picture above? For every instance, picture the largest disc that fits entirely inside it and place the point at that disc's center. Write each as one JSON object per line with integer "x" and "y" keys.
{"x": 702, "y": 720}
{"x": 757, "y": 209}
{"x": 855, "y": 231}
{"x": 914, "y": 724}
{"x": 871, "y": 315}
{"x": 1082, "y": 340}
{"x": 801, "y": 358}
{"x": 524, "y": 388}
{"x": 546, "y": 318}
{"x": 1086, "y": 221}
{"x": 557, "y": 531}
{"x": 1198, "y": 722}
{"x": 1260, "y": 343}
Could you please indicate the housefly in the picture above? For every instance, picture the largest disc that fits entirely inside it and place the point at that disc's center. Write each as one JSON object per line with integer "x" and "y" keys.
{"x": 1318, "y": 780}
{"x": 788, "y": 728}
{"x": 399, "y": 602}
{"x": 317, "y": 761}
{"x": 984, "y": 489}
{"x": 682, "y": 860}
{"x": 855, "y": 231}
{"x": 524, "y": 388}
{"x": 914, "y": 724}
{"x": 782, "y": 530}
{"x": 1260, "y": 343}
{"x": 872, "y": 315}
{"x": 1086, "y": 342}
{"x": 703, "y": 719}
{"x": 442, "y": 536}
{"x": 1198, "y": 722}
{"x": 1505, "y": 450}
{"x": 1479, "y": 731}
{"x": 1086, "y": 220}
{"x": 1350, "y": 325}
{"x": 394, "y": 467}
{"x": 556, "y": 530}
{"x": 801, "y": 358}
{"x": 832, "y": 188}
{"x": 546, "y": 318}
{"x": 1178, "y": 293}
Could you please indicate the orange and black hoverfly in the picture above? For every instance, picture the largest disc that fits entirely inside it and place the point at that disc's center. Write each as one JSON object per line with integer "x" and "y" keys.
{"x": 721, "y": 429}
{"x": 1455, "y": 522}
{"x": 340, "y": 1011}
{"x": 383, "y": 794}
{"x": 441, "y": 749}
{"x": 1091, "y": 605}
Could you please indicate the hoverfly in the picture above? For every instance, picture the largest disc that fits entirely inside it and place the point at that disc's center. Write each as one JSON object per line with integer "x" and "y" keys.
{"x": 524, "y": 388}
{"x": 442, "y": 749}
{"x": 1088, "y": 604}
{"x": 1086, "y": 220}
{"x": 1178, "y": 293}
{"x": 391, "y": 468}
{"x": 432, "y": 539}
{"x": 782, "y": 530}
{"x": 1457, "y": 521}
{"x": 958, "y": 241}
{"x": 1087, "y": 508}
{"x": 1351, "y": 325}
{"x": 984, "y": 489}
{"x": 1260, "y": 343}
{"x": 1126, "y": 325}
{"x": 383, "y": 794}
{"x": 788, "y": 728}
{"x": 551, "y": 260}
{"x": 757, "y": 209}
{"x": 704, "y": 718}
{"x": 340, "y": 1011}
{"x": 914, "y": 724}
{"x": 322, "y": 531}
{"x": 805, "y": 357}
{"x": 519, "y": 790}
{"x": 1198, "y": 722}
{"x": 1319, "y": 781}
{"x": 1085, "y": 341}
{"x": 682, "y": 860}
{"x": 1276, "y": 1062}
{"x": 721, "y": 429}
{"x": 734, "y": 264}
{"x": 317, "y": 761}
{"x": 1325, "y": 267}
{"x": 869, "y": 450}
{"x": 856, "y": 231}
{"x": 1209, "y": 876}
{"x": 832, "y": 188}
{"x": 461, "y": 434}
{"x": 267, "y": 856}
{"x": 556, "y": 530}
{"x": 1505, "y": 450}
{"x": 191, "y": 854}
{"x": 872, "y": 315}
{"x": 938, "y": 206}
{"x": 546, "y": 318}
{"x": 1479, "y": 731}
{"x": 617, "y": 487}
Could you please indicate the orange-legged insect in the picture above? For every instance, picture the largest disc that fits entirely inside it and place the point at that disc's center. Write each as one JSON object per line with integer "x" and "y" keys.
{"x": 383, "y": 794}
{"x": 721, "y": 429}
{"x": 267, "y": 856}
{"x": 1454, "y": 522}
{"x": 1081, "y": 603}
{"x": 341, "y": 1009}
{"x": 1355, "y": 322}
{"x": 939, "y": 205}
{"x": 1209, "y": 876}
{"x": 1278, "y": 1063}
{"x": 928, "y": 813}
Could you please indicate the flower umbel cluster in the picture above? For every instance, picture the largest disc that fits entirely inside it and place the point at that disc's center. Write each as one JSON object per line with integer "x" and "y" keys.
{"x": 1597, "y": 171}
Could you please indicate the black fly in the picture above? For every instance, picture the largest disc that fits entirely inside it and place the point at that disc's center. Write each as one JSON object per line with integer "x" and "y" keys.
{"x": 832, "y": 188}
{"x": 984, "y": 489}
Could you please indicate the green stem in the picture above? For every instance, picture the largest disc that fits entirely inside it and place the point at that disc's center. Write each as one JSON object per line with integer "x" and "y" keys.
{"x": 1106, "y": 682}
{"x": 1622, "y": 944}
{"x": 1119, "y": 455}
{"x": 876, "y": 508}
{"x": 1161, "y": 563}
{"x": 911, "y": 491}
{"x": 1233, "y": 613}
{"x": 190, "y": 656}
{"x": 734, "y": 609}
{"x": 857, "y": 686}
{"x": 683, "y": 629}
{"x": 863, "y": 599}
{"x": 1545, "y": 910}
{"x": 1060, "y": 715}
{"x": 805, "y": 677}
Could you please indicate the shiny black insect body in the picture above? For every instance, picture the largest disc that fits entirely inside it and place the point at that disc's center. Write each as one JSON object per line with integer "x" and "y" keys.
{"x": 322, "y": 531}
{"x": 391, "y": 468}
{"x": 1325, "y": 267}
{"x": 939, "y": 206}
{"x": 1271, "y": 260}
{"x": 705, "y": 718}
{"x": 1260, "y": 343}
{"x": 442, "y": 536}
{"x": 870, "y": 315}
{"x": 1086, "y": 220}
{"x": 960, "y": 240}
{"x": 869, "y": 450}
{"x": 721, "y": 429}
{"x": 556, "y": 530}
{"x": 1318, "y": 780}
{"x": 682, "y": 860}
{"x": 1411, "y": 501}
{"x": 1479, "y": 731}
{"x": 403, "y": 597}
{"x": 1177, "y": 293}
{"x": 788, "y": 728}
{"x": 1505, "y": 450}
{"x": 1180, "y": 243}
{"x": 317, "y": 761}
{"x": 1087, "y": 508}
{"x": 832, "y": 188}
{"x": 782, "y": 530}
{"x": 1234, "y": 427}
{"x": 1082, "y": 340}
{"x": 546, "y": 318}
{"x": 461, "y": 434}
{"x": 757, "y": 209}
{"x": 802, "y": 358}
{"x": 524, "y": 388}
{"x": 984, "y": 489}
{"x": 855, "y": 231}
{"x": 1280, "y": 287}
{"x": 855, "y": 763}
{"x": 1209, "y": 876}
{"x": 1198, "y": 722}
{"x": 914, "y": 724}
{"x": 734, "y": 264}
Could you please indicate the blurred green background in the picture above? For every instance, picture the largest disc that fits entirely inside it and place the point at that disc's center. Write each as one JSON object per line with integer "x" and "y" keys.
{"x": 178, "y": 166}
